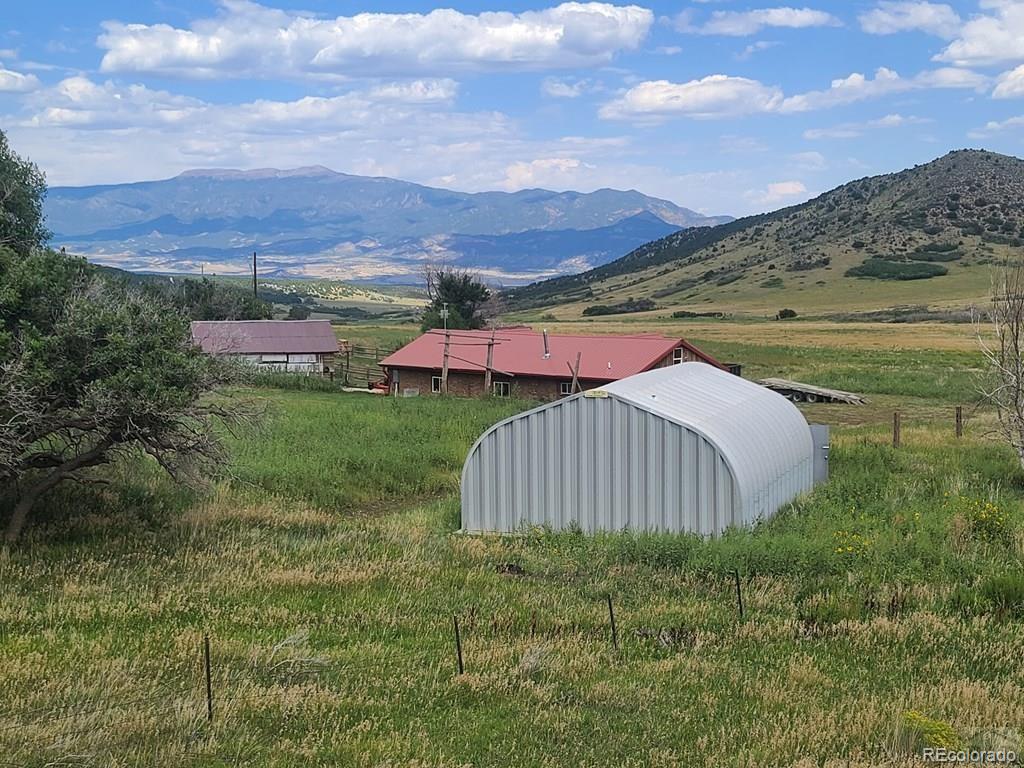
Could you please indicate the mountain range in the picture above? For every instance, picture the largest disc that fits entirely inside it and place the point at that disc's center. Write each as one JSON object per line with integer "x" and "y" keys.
{"x": 926, "y": 236}
{"x": 315, "y": 222}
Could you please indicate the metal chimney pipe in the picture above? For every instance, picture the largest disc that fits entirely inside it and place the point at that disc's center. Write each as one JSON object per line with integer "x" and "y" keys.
{"x": 547, "y": 352}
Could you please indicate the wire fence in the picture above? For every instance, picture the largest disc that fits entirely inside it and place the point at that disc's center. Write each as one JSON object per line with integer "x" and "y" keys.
{"x": 187, "y": 719}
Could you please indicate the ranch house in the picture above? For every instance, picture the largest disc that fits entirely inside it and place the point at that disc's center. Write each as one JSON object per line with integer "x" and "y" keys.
{"x": 526, "y": 363}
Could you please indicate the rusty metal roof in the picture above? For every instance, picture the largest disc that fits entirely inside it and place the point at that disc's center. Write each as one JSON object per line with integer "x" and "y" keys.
{"x": 254, "y": 337}
{"x": 520, "y": 351}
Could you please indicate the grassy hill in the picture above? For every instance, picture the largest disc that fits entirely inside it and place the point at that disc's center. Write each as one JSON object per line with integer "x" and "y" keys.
{"x": 923, "y": 236}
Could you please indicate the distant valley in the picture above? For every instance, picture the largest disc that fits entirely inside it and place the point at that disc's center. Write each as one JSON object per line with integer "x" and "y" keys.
{"x": 314, "y": 222}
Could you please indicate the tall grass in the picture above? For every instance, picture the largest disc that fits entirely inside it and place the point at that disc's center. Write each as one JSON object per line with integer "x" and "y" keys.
{"x": 327, "y": 585}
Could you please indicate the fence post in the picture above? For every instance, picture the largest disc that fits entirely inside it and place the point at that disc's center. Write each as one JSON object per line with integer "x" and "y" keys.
{"x": 896, "y": 429}
{"x": 209, "y": 680}
{"x": 458, "y": 642}
{"x": 611, "y": 619}
{"x": 959, "y": 421}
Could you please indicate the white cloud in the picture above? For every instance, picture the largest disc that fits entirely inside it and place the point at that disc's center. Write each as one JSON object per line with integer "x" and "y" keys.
{"x": 741, "y": 23}
{"x": 809, "y": 161}
{"x": 548, "y": 172}
{"x": 990, "y": 38}
{"x": 858, "y": 87}
{"x": 251, "y": 40}
{"x": 441, "y": 91}
{"x": 1010, "y": 85}
{"x": 889, "y": 18}
{"x": 721, "y": 96}
{"x": 997, "y": 126}
{"x": 566, "y": 88}
{"x": 714, "y": 96}
{"x": 760, "y": 45}
{"x": 668, "y": 50}
{"x": 776, "y": 193}
{"x": 16, "y": 82}
{"x": 853, "y": 130}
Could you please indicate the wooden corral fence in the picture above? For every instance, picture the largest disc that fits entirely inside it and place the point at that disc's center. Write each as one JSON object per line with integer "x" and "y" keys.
{"x": 357, "y": 364}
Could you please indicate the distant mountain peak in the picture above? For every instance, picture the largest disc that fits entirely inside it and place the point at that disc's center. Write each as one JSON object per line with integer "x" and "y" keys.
{"x": 258, "y": 173}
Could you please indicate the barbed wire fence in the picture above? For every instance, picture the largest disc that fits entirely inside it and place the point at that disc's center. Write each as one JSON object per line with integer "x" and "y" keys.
{"x": 184, "y": 720}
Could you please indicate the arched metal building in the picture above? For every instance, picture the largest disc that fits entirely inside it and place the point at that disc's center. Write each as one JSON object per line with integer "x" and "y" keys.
{"x": 683, "y": 448}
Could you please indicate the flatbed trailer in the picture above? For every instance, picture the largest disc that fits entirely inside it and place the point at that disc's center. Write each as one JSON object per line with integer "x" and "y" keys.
{"x": 799, "y": 392}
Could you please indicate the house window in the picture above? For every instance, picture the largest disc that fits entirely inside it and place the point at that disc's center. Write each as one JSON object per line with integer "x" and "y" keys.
{"x": 502, "y": 389}
{"x": 565, "y": 388}
{"x": 274, "y": 359}
{"x": 677, "y": 355}
{"x": 435, "y": 384}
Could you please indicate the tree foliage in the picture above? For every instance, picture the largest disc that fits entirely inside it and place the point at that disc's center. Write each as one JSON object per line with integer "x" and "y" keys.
{"x": 206, "y": 300}
{"x": 22, "y": 189}
{"x": 92, "y": 369}
{"x": 462, "y": 292}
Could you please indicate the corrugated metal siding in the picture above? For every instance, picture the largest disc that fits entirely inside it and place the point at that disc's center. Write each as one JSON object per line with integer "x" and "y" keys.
{"x": 601, "y": 464}
{"x": 687, "y": 448}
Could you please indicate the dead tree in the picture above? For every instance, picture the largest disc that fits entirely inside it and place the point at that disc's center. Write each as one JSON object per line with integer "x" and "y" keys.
{"x": 1003, "y": 349}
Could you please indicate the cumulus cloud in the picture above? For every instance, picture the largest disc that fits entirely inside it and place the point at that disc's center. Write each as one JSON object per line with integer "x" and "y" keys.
{"x": 557, "y": 172}
{"x": 742, "y": 23}
{"x": 997, "y": 126}
{"x": 853, "y": 130}
{"x": 989, "y": 38}
{"x": 721, "y": 96}
{"x": 714, "y": 96}
{"x": 776, "y": 193}
{"x": 858, "y": 87}
{"x": 249, "y": 40}
{"x": 16, "y": 82}
{"x": 888, "y": 18}
{"x": 1010, "y": 85}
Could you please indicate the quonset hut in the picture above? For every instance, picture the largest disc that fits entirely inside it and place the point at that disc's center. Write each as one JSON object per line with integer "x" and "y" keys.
{"x": 687, "y": 448}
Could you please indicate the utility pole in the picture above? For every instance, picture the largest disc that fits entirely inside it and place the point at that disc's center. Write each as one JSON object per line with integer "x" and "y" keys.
{"x": 490, "y": 361}
{"x": 444, "y": 365}
{"x": 255, "y": 294}
{"x": 444, "y": 315}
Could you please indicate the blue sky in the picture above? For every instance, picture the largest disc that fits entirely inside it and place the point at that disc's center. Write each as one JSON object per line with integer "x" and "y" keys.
{"x": 724, "y": 107}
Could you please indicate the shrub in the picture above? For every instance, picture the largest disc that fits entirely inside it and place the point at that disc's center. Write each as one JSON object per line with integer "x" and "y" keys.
{"x": 785, "y": 314}
{"x": 630, "y": 305}
{"x": 982, "y": 520}
{"x": 884, "y": 269}
{"x": 916, "y": 731}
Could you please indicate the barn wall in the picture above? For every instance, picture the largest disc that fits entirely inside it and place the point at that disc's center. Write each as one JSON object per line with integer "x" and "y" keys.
{"x": 601, "y": 464}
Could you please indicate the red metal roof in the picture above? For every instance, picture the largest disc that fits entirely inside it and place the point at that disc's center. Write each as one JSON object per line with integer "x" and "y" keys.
{"x": 254, "y": 337}
{"x": 520, "y": 351}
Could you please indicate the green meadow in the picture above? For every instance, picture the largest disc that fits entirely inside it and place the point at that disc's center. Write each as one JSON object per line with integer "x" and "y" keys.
{"x": 881, "y": 613}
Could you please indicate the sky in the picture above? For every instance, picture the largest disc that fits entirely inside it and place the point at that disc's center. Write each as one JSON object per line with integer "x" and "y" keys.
{"x": 723, "y": 107}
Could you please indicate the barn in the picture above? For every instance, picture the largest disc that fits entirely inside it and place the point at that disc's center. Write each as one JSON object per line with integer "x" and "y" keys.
{"x": 686, "y": 448}
{"x": 295, "y": 346}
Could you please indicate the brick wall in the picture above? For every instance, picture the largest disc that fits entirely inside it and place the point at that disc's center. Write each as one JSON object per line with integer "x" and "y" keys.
{"x": 472, "y": 384}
